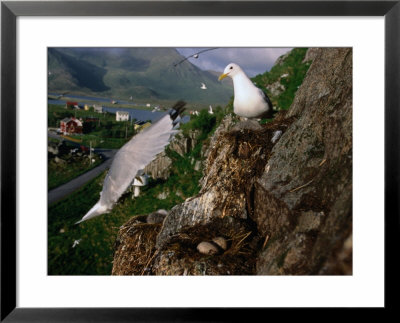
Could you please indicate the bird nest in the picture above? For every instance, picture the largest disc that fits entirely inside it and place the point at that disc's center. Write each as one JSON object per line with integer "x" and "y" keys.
{"x": 135, "y": 252}
{"x": 181, "y": 257}
{"x": 135, "y": 247}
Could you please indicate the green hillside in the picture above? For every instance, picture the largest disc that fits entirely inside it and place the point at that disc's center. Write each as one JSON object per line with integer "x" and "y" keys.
{"x": 143, "y": 73}
{"x": 284, "y": 78}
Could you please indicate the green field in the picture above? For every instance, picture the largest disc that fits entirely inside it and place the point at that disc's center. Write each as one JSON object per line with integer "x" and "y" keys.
{"x": 61, "y": 173}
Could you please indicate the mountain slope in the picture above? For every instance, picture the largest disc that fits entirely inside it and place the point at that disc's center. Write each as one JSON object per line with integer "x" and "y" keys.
{"x": 143, "y": 73}
{"x": 67, "y": 72}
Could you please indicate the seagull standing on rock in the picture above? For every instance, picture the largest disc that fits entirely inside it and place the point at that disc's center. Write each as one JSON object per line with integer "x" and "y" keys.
{"x": 249, "y": 101}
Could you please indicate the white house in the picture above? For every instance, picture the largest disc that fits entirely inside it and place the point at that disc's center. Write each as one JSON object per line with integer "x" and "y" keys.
{"x": 98, "y": 109}
{"x": 122, "y": 116}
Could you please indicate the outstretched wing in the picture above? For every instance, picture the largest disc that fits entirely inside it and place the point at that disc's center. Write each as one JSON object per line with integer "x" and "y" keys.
{"x": 132, "y": 157}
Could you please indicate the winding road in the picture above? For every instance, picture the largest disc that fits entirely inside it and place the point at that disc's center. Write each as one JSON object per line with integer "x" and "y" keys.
{"x": 62, "y": 191}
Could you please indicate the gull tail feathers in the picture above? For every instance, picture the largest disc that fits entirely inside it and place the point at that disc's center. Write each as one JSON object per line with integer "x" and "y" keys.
{"x": 177, "y": 110}
{"x": 96, "y": 210}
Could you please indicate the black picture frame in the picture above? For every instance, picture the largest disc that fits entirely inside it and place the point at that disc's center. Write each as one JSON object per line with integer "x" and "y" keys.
{"x": 10, "y": 10}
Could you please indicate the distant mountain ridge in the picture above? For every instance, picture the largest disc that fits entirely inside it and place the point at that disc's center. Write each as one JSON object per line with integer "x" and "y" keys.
{"x": 143, "y": 73}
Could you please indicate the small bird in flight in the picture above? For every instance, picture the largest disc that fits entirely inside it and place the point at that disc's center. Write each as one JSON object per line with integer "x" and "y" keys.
{"x": 203, "y": 86}
{"x": 195, "y": 55}
{"x": 76, "y": 242}
{"x": 249, "y": 101}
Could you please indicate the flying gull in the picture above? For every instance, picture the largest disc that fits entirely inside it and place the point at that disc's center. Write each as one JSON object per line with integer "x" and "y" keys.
{"x": 249, "y": 101}
{"x": 195, "y": 55}
{"x": 203, "y": 86}
{"x": 133, "y": 157}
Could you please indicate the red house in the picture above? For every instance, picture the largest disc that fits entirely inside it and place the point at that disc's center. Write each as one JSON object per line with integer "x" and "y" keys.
{"x": 71, "y": 105}
{"x": 71, "y": 125}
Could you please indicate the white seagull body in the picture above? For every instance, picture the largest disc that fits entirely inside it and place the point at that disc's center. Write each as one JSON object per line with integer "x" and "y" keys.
{"x": 249, "y": 101}
{"x": 133, "y": 157}
{"x": 203, "y": 86}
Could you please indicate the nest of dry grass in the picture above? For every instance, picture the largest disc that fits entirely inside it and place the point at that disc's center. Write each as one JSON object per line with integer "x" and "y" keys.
{"x": 235, "y": 163}
{"x": 180, "y": 256}
{"x": 135, "y": 247}
{"x": 135, "y": 252}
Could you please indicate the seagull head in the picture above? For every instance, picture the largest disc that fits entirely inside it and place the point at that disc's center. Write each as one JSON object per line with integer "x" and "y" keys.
{"x": 231, "y": 70}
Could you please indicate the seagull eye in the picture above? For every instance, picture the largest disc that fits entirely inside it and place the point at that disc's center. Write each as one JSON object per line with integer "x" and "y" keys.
{"x": 231, "y": 67}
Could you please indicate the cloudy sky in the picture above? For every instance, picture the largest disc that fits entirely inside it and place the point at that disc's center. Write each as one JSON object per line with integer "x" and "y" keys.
{"x": 252, "y": 60}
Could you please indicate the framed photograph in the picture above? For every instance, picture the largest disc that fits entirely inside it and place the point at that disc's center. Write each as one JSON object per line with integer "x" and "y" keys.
{"x": 280, "y": 190}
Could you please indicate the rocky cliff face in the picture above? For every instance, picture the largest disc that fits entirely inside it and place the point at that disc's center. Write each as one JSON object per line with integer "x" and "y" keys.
{"x": 279, "y": 195}
{"x": 159, "y": 168}
{"x": 304, "y": 197}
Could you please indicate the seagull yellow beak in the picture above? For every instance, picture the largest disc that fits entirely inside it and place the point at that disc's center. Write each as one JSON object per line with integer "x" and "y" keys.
{"x": 222, "y": 76}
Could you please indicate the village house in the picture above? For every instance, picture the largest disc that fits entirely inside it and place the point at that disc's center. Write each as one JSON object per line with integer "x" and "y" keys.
{"x": 71, "y": 105}
{"x": 98, "y": 108}
{"x": 122, "y": 116}
{"x": 71, "y": 125}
